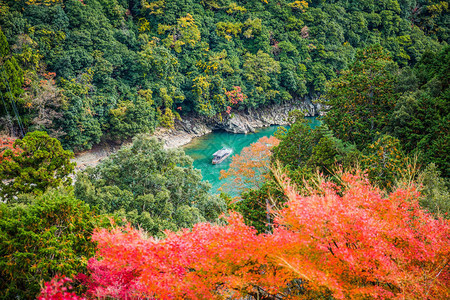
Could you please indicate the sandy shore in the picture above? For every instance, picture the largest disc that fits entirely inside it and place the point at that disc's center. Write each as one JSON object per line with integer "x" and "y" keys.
{"x": 171, "y": 138}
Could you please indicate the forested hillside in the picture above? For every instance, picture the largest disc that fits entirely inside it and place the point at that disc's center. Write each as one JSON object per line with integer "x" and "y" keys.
{"x": 92, "y": 70}
{"x": 356, "y": 208}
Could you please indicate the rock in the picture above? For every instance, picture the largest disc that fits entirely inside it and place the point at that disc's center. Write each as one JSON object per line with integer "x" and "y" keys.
{"x": 248, "y": 121}
{"x": 193, "y": 126}
{"x": 238, "y": 124}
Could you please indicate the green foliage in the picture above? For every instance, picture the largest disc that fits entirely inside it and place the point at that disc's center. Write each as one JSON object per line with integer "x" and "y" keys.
{"x": 155, "y": 189}
{"x": 361, "y": 99}
{"x": 385, "y": 161}
{"x": 258, "y": 205}
{"x": 257, "y": 69}
{"x": 435, "y": 194}
{"x": 420, "y": 118}
{"x": 131, "y": 118}
{"x": 51, "y": 235}
{"x": 303, "y": 150}
{"x": 11, "y": 79}
{"x": 228, "y": 29}
{"x": 274, "y": 51}
{"x": 11, "y": 82}
{"x": 186, "y": 32}
{"x": 295, "y": 146}
{"x": 42, "y": 163}
{"x": 4, "y": 46}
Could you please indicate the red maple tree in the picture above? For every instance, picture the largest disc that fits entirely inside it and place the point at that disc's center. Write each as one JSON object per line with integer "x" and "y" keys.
{"x": 351, "y": 240}
{"x": 234, "y": 97}
{"x": 251, "y": 167}
{"x": 5, "y": 144}
{"x": 356, "y": 242}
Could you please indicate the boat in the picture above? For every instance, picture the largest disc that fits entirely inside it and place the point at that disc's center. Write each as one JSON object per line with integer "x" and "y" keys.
{"x": 220, "y": 155}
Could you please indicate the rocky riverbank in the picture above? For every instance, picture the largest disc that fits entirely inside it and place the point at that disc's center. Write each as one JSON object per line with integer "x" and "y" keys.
{"x": 188, "y": 128}
{"x": 245, "y": 121}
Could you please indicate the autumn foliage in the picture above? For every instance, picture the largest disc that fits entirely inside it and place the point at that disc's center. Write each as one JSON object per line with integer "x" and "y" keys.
{"x": 58, "y": 288}
{"x": 250, "y": 168}
{"x": 7, "y": 143}
{"x": 234, "y": 97}
{"x": 207, "y": 262}
{"x": 362, "y": 243}
{"x": 349, "y": 240}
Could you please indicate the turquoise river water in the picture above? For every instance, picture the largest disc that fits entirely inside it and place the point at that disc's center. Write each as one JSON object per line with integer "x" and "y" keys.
{"x": 201, "y": 150}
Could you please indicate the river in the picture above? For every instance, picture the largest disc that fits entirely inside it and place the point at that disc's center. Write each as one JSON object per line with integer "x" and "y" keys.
{"x": 202, "y": 148}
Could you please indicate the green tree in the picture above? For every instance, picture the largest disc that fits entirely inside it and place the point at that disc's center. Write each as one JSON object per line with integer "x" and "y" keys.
{"x": 303, "y": 151}
{"x": 186, "y": 32}
{"x": 358, "y": 102}
{"x": 257, "y": 68}
{"x": 295, "y": 144}
{"x": 11, "y": 74}
{"x": 257, "y": 205}
{"x": 80, "y": 122}
{"x": 385, "y": 161}
{"x": 131, "y": 118}
{"x": 153, "y": 188}
{"x": 11, "y": 82}
{"x": 50, "y": 236}
{"x": 4, "y": 46}
{"x": 435, "y": 194}
{"x": 420, "y": 118}
{"x": 42, "y": 163}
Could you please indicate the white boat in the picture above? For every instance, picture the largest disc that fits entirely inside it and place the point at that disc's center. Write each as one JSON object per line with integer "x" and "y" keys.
{"x": 220, "y": 155}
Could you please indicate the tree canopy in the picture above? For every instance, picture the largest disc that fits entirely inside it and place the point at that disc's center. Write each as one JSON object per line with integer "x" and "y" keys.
{"x": 39, "y": 163}
{"x": 124, "y": 67}
{"x": 154, "y": 188}
{"x": 356, "y": 208}
{"x": 345, "y": 242}
{"x": 49, "y": 236}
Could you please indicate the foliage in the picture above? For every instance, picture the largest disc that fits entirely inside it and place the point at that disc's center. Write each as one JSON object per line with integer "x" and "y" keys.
{"x": 380, "y": 245}
{"x": 131, "y": 118}
{"x": 87, "y": 71}
{"x": 12, "y": 79}
{"x": 154, "y": 188}
{"x": 56, "y": 290}
{"x": 4, "y": 50}
{"x": 205, "y": 262}
{"x": 290, "y": 151}
{"x": 45, "y": 99}
{"x": 303, "y": 150}
{"x": 257, "y": 206}
{"x": 352, "y": 241}
{"x": 5, "y": 144}
{"x": 40, "y": 164}
{"x": 360, "y": 100}
{"x": 50, "y": 236}
{"x": 435, "y": 194}
{"x": 250, "y": 168}
{"x": 275, "y": 52}
{"x": 385, "y": 162}
{"x": 185, "y": 32}
{"x": 11, "y": 82}
{"x": 234, "y": 97}
{"x": 420, "y": 118}
{"x": 258, "y": 67}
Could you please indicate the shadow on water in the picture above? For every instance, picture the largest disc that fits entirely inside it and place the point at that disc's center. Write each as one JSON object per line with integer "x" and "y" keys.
{"x": 201, "y": 150}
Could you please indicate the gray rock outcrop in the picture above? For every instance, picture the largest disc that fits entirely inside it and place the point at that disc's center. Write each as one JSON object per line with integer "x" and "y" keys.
{"x": 247, "y": 121}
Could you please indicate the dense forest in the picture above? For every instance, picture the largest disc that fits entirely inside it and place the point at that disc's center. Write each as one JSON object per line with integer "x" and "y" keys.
{"x": 93, "y": 70}
{"x": 356, "y": 208}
